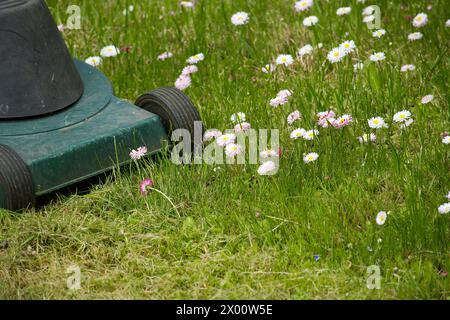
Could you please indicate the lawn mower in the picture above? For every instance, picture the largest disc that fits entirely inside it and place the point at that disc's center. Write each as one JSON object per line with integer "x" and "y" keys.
{"x": 60, "y": 122}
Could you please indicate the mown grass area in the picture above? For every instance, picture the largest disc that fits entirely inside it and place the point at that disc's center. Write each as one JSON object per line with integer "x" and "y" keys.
{"x": 308, "y": 232}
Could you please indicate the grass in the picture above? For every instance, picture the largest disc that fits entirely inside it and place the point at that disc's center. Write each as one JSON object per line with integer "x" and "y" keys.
{"x": 240, "y": 235}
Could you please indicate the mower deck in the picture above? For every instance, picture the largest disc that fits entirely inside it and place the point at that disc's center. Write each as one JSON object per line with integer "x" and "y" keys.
{"x": 88, "y": 138}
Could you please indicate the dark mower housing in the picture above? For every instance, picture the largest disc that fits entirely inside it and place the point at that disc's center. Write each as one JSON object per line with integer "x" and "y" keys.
{"x": 60, "y": 122}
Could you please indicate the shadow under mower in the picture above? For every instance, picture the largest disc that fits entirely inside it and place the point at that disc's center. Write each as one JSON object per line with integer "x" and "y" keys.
{"x": 60, "y": 122}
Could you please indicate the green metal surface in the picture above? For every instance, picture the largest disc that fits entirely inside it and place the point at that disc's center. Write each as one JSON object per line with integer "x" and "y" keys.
{"x": 82, "y": 141}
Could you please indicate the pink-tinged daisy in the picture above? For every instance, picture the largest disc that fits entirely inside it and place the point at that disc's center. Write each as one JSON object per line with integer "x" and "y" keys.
{"x": 326, "y": 118}
{"x": 381, "y": 218}
{"x": 189, "y": 70}
{"x": 211, "y": 134}
{"x": 232, "y": 150}
{"x": 226, "y": 139}
{"x": 146, "y": 183}
{"x": 407, "y": 67}
{"x": 368, "y": 11}
{"x": 277, "y": 101}
{"x": 342, "y": 121}
{"x": 61, "y": 27}
{"x": 187, "y": 4}
{"x": 242, "y": 127}
{"x": 268, "y": 168}
{"x": 420, "y": 20}
{"x": 165, "y": 55}
{"x": 284, "y": 94}
{"x": 446, "y": 140}
{"x": 268, "y": 153}
{"x": 367, "y": 137}
{"x": 444, "y": 208}
{"x": 183, "y": 82}
{"x": 310, "y": 157}
{"x": 303, "y": 5}
{"x": 196, "y": 59}
{"x": 294, "y": 116}
{"x": 427, "y": 99}
{"x": 139, "y": 153}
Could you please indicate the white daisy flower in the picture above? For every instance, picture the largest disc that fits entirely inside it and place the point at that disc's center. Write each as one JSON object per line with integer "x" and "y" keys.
{"x": 240, "y": 18}
{"x": 187, "y": 4}
{"x": 307, "y": 49}
{"x": 367, "y": 137}
{"x": 165, "y": 55}
{"x": 195, "y": 59}
{"x": 310, "y": 157}
{"x": 226, "y": 139}
{"x": 444, "y": 208}
{"x": 368, "y": 19}
{"x": 94, "y": 61}
{"x": 297, "y": 133}
{"x": 407, "y": 67}
{"x": 242, "y": 127}
{"x": 379, "y": 33}
{"x": 348, "y": 46}
{"x": 381, "y": 218}
{"x": 268, "y": 68}
{"x": 310, "y": 21}
{"x": 310, "y": 134}
{"x": 377, "y": 56}
{"x": 238, "y": 117}
{"x": 294, "y": 116}
{"x": 415, "y": 36}
{"x": 336, "y": 55}
{"x": 232, "y": 150}
{"x": 267, "y": 168}
{"x": 343, "y": 11}
{"x": 109, "y": 51}
{"x": 420, "y": 20}
{"x": 303, "y": 5}
{"x": 377, "y": 123}
{"x": 211, "y": 134}
{"x": 402, "y": 116}
{"x": 268, "y": 153}
{"x": 285, "y": 59}
{"x": 183, "y": 82}
{"x": 368, "y": 11}
{"x": 446, "y": 140}
{"x": 427, "y": 99}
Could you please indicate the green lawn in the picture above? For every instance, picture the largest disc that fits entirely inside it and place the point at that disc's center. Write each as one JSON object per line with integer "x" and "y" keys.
{"x": 236, "y": 234}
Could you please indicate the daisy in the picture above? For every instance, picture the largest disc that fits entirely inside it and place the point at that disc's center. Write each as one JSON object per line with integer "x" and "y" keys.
{"x": 377, "y": 123}
{"x": 377, "y": 56}
{"x": 187, "y": 4}
{"x": 211, "y": 134}
{"x": 240, "y": 18}
{"x": 285, "y": 59}
{"x": 358, "y": 66}
{"x": 427, "y": 99}
{"x": 294, "y": 116}
{"x": 310, "y": 157}
{"x": 268, "y": 153}
{"x": 348, "y": 46}
{"x": 284, "y": 94}
{"x": 444, "y": 208}
{"x": 446, "y": 140}
{"x": 326, "y": 118}
{"x": 368, "y": 11}
{"x": 109, "y": 51}
{"x": 303, "y": 5}
{"x": 94, "y": 61}
{"x": 407, "y": 67}
{"x": 310, "y": 21}
{"x": 268, "y": 68}
{"x": 336, "y": 55}
{"x": 144, "y": 184}
{"x": 297, "y": 133}
{"x": 226, "y": 139}
{"x": 237, "y": 117}
{"x": 307, "y": 49}
{"x": 342, "y": 121}
{"x": 189, "y": 70}
{"x": 183, "y": 82}
{"x": 415, "y": 36}
{"x": 406, "y": 123}
{"x": 402, "y": 116}
{"x": 367, "y": 137}
{"x": 381, "y": 218}
{"x": 165, "y": 55}
{"x": 232, "y": 150}
{"x": 447, "y": 23}
{"x": 310, "y": 134}
{"x": 420, "y": 20}
{"x": 139, "y": 153}
{"x": 368, "y": 19}
{"x": 267, "y": 168}
{"x": 242, "y": 127}
{"x": 195, "y": 59}
{"x": 277, "y": 101}
{"x": 61, "y": 27}
{"x": 343, "y": 11}
{"x": 379, "y": 33}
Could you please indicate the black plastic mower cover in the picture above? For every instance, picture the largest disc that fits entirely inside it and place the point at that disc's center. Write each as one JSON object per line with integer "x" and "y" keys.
{"x": 37, "y": 73}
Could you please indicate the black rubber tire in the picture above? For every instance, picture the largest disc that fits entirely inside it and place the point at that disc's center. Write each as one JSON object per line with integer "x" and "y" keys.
{"x": 175, "y": 109}
{"x": 15, "y": 180}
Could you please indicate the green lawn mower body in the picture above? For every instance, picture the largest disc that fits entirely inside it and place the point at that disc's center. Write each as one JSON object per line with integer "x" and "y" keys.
{"x": 47, "y": 141}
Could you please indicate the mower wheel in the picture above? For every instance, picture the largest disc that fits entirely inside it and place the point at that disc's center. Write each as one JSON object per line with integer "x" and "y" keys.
{"x": 16, "y": 184}
{"x": 174, "y": 108}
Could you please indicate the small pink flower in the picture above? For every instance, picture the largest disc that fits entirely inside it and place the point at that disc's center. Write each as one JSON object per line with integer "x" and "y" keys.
{"x": 183, "y": 82}
{"x": 144, "y": 184}
{"x": 165, "y": 55}
{"x": 211, "y": 134}
{"x": 139, "y": 153}
{"x": 294, "y": 116}
{"x": 242, "y": 127}
{"x": 189, "y": 70}
{"x": 343, "y": 121}
{"x": 61, "y": 27}
{"x": 326, "y": 118}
